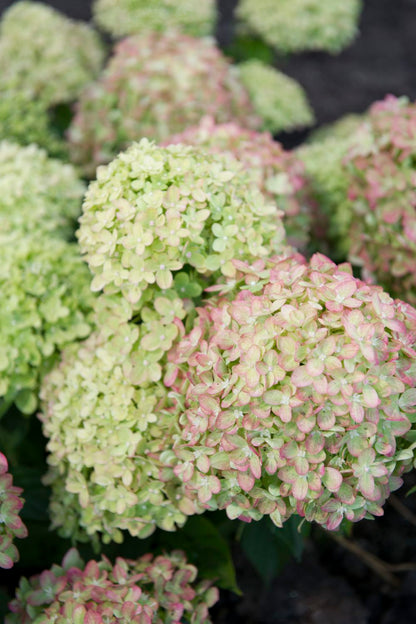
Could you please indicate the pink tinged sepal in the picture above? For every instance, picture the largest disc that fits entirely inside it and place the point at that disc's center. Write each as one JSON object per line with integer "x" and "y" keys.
{"x": 246, "y": 481}
{"x": 332, "y": 479}
{"x": 300, "y": 488}
{"x": 367, "y": 486}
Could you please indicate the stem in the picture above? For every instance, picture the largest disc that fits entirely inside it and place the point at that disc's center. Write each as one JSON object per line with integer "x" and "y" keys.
{"x": 379, "y": 567}
{"x": 402, "y": 509}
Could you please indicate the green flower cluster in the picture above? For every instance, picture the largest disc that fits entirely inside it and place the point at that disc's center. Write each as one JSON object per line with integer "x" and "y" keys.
{"x": 150, "y": 590}
{"x": 381, "y": 169}
{"x": 45, "y": 303}
{"x": 45, "y": 54}
{"x": 278, "y": 100}
{"x": 128, "y": 17}
{"x": 105, "y": 433}
{"x": 11, "y": 525}
{"x": 26, "y": 120}
{"x": 278, "y": 173}
{"x": 155, "y": 85}
{"x": 37, "y": 193}
{"x": 295, "y": 25}
{"x": 328, "y": 182}
{"x": 154, "y": 212}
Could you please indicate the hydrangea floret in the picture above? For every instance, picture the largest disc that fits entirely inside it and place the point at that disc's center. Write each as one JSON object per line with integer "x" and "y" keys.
{"x": 295, "y": 392}
{"x": 381, "y": 169}
{"x": 11, "y": 525}
{"x": 278, "y": 100}
{"x": 278, "y": 173}
{"x": 45, "y": 303}
{"x": 150, "y": 590}
{"x": 296, "y": 25}
{"x": 128, "y": 17}
{"x": 26, "y": 120}
{"x": 155, "y": 212}
{"x": 37, "y": 193}
{"x": 155, "y": 85}
{"x": 45, "y": 54}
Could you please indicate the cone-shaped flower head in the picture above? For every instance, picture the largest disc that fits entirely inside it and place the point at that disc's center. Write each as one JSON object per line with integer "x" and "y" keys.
{"x": 382, "y": 178}
{"x": 46, "y": 54}
{"x": 155, "y": 85}
{"x": 278, "y": 100}
{"x": 295, "y": 25}
{"x": 293, "y": 393}
{"x": 26, "y": 121}
{"x": 128, "y": 17}
{"x": 149, "y": 590}
{"x": 328, "y": 182}
{"x": 102, "y": 414}
{"x": 37, "y": 193}
{"x": 155, "y": 212}
{"x": 11, "y": 525}
{"x": 45, "y": 304}
{"x": 278, "y": 173}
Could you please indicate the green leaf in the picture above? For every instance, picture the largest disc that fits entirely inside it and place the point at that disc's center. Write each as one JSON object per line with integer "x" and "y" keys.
{"x": 245, "y": 47}
{"x": 206, "y": 549}
{"x": 269, "y": 548}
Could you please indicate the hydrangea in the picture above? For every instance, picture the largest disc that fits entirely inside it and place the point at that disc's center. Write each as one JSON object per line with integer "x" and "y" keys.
{"x": 45, "y": 304}
{"x": 381, "y": 170}
{"x": 26, "y": 120}
{"x": 154, "y": 213}
{"x": 296, "y": 25}
{"x": 295, "y": 392}
{"x": 328, "y": 182}
{"x": 278, "y": 100}
{"x": 102, "y": 416}
{"x": 46, "y": 54}
{"x": 37, "y": 193}
{"x": 149, "y": 590}
{"x": 155, "y": 85}
{"x": 128, "y": 17}
{"x": 11, "y": 525}
{"x": 278, "y": 173}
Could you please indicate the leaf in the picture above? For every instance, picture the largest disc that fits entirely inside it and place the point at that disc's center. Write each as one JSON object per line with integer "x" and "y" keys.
{"x": 206, "y": 549}
{"x": 269, "y": 547}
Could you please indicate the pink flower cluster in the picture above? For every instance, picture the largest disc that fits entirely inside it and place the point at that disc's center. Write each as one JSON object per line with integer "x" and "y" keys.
{"x": 292, "y": 394}
{"x": 155, "y": 85}
{"x": 151, "y": 590}
{"x": 382, "y": 195}
{"x": 278, "y": 173}
{"x": 11, "y": 525}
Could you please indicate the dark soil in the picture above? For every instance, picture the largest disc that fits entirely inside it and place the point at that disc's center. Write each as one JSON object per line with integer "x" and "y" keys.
{"x": 331, "y": 585}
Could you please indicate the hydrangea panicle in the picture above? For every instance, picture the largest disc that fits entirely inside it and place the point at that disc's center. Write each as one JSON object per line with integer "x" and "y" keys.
{"x": 103, "y": 401}
{"x": 381, "y": 194}
{"x": 45, "y": 54}
{"x": 279, "y": 101}
{"x": 278, "y": 173}
{"x": 128, "y": 17}
{"x": 293, "y": 391}
{"x": 45, "y": 303}
{"x": 155, "y": 212}
{"x": 11, "y": 525}
{"x": 155, "y": 85}
{"x": 150, "y": 590}
{"x": 37, "y": 193}
{"x": 296, "y": 25}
